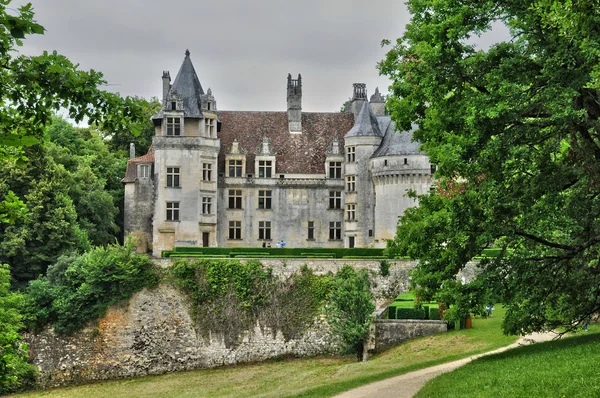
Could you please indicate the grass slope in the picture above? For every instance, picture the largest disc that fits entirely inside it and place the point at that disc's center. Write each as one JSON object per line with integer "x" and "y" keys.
{"x": 563, "y": 368}
{"x": 312, "y": 377}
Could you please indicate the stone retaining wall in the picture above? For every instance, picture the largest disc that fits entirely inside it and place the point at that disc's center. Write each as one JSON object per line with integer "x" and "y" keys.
{"x": 387, "y": 333}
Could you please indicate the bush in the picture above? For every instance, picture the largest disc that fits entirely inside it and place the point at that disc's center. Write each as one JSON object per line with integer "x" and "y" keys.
{"x": 384, "y": 267}
{"x": 410, "y": 313}
{"x": 391, "y": 312}
{"x": 80, "y": 288}
{"x": 434, "y": 314}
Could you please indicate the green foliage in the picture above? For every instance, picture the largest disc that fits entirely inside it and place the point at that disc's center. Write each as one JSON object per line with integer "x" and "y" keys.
{"x": 384, "y": 268}
{"x": 412, "y": 313}
{"x": 80, "y": 288}
{"x": 232, "y": 296}
{"x": 515, "y": 135}
{"x": 351, "y": 309}
{"x": 15, "y": 370}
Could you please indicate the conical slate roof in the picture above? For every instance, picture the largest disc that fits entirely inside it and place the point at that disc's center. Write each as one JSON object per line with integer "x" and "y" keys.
{"x": 396, "y": 143}
{"x": 366, "y": 124}
{"x": 187, "y": 86}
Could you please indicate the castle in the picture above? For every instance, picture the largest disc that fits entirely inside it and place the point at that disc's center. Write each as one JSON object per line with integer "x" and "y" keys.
{"x": 244, "y": 179}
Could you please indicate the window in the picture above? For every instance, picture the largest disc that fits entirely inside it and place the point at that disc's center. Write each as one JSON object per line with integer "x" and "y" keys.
{"x": 172, "y": 211}
{"x": 145, "y": 171}
{"x": 370, "y": 233}
{"x": 235, "y": 230}
{"x": 264, "y": 168}
{"x": 335, "y": 230}
{"x": 311, "y": 230}
{"x": 209, "y": 127}
{"x": 235, "y": 198}
{"x": 173, "y": 126}
{"x": 335, "y": 169}
{"x": 206, "y": 172}
{"x": 351, "y": 154}
{"x": 264, "y": 230}
{"x": 208, "y": 105}
{"x": 206, "y": 205}
{"x": 405, "y": 161}
{"x": 173, "y": 177}
{"x": 351, "y": 212}
{"x": 235, "y": 168}
{"x": 351, "y": 183}
{"x": 173, "y": 105}
{"x": 264, "y": 199}
{"x": 335, "y": 200}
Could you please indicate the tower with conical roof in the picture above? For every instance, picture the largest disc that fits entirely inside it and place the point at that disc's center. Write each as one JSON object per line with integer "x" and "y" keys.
{"x": 361, "y": 142}
{"x": 186, "y": 148}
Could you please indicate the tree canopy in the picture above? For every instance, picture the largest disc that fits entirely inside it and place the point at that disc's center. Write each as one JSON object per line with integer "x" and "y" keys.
{"x": 514, "y": 133}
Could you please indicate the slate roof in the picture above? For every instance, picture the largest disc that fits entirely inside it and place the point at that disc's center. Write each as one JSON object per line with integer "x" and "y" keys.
{"x": 296, "y": 153}
{"x": 131, "y": 173}
{"x": 188, "y": 88}
{"x": 394, "y": 142}
{"x": 366, "y": 123}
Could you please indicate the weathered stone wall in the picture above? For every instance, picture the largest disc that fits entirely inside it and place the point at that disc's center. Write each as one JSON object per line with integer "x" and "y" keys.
{"x": 390, "y": 332}
{"x": 153, "y": 334}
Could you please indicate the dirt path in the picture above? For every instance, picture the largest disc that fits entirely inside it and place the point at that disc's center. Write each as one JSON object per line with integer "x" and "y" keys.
{"x": 408, "y": 384}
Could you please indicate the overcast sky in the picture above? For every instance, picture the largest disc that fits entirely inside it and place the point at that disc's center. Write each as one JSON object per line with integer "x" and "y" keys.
{"x": 241, "y": 49}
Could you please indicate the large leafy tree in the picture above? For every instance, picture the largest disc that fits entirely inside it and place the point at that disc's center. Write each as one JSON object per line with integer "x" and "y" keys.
{"x": 514, "y": 131}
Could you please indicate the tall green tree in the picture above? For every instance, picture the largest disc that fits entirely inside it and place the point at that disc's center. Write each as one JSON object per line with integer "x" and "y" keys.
{"x": 514, "y": 131}
{"x": 350, "y": 310}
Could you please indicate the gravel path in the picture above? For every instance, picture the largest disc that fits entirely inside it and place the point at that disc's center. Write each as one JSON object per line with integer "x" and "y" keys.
{"x": 408, "y": 384}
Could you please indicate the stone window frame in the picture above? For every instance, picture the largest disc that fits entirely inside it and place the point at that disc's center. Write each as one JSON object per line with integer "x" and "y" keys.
{"x": 235, "y": 230}
{"x": 206, "y": 171}
{"x": 264, "y": 230}
{"x": 265, "y": 199}
{"x": 351, "y": 212}
{"x": 335, "y": 200}
{"x": 237, "y": 165}
{"x": 335, "y": 169}
{"x": 351, "y": 154}
{"x": 235, "y": 197}
{"x": 172, "y": 211}
{"x": 265, "y": 168}
{"x": 335, "y": 230}
{"x": 207, "y": 205}
{"x": 173, "y": 176}
{"x": 144, "y": 171}
{"x": 310, "y": 231}
{"x": 351, "y": 183}
{"x": 210, "y": 127}
{"x": 174, "y": 127}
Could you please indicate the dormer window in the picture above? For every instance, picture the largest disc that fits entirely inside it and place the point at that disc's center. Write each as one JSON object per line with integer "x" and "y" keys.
{"x": 264, "y": 168}
{"x": 173, "y": 105}
{"x": 335, "y": 169}
{"x": 173, "y": 126}
{"x": 209, "y": 105}
{"x": 144, "y": 171}
{"x": 209, "y": 127}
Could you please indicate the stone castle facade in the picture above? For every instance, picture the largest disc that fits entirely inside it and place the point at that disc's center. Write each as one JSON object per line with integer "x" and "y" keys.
{"x": 244, "y": 179}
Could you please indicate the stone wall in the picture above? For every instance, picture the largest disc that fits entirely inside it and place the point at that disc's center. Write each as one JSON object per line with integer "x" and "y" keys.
{"x": 154, "y": 333}
{"x": 390, "y": 332}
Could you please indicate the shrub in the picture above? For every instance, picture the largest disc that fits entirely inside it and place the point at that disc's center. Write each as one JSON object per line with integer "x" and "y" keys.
{"x": 391, "y": 312}
{"x": 384, "y": 267}
{"x": 434, "y": 314}
{"x": 80, "y": 288}
{"x": 410, "y": 313}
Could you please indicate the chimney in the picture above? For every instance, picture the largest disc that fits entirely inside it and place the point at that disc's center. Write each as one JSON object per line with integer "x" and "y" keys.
{"x": 358, "y": 97}
{"x": 131, "y": 150}
{"x": 294, "y": 104}
{"x": 377, "y": 103}
{"x": 166, "y": 80}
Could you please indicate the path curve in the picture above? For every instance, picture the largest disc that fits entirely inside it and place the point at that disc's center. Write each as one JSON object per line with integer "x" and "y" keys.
{"x": 408, "y": 384}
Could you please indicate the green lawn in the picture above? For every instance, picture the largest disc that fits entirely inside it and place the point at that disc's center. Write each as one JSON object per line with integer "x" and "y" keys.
{"x": 564, "y": 368}
{"x": 313, "y": 377}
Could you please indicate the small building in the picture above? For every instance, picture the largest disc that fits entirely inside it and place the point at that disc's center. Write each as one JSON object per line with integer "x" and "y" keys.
{"x": 241, "y": 179}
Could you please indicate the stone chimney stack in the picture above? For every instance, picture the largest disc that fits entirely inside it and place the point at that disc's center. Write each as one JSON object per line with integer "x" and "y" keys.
{"x": 294, "y": 103}
{"x": 358, "y": 98}
{"x": 131, "y": 150}
{"x": 378, "y": 103}
{"x": 166, "y": 80}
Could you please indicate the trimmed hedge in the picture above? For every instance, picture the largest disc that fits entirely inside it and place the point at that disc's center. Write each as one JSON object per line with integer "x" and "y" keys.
{"x": 434, "y": 314}
{"x": 296, "y": 252}
{"x": 411, "y": 313}
{"x": 391, "y": 312}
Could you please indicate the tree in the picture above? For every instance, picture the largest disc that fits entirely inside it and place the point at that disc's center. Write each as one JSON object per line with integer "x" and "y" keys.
{"x": 351, "y": 309}
{"x": 33, "y": 88}
{"x": 15, "y": 370}
{"x": 514, "y": 132}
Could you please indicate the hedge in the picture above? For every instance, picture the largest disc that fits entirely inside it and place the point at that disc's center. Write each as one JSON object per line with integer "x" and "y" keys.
{"x": 411, "y": 313}
{"x": 296, "y": 252}
{"x": 391, "y": 312}
{"x": 434, "y": 313}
